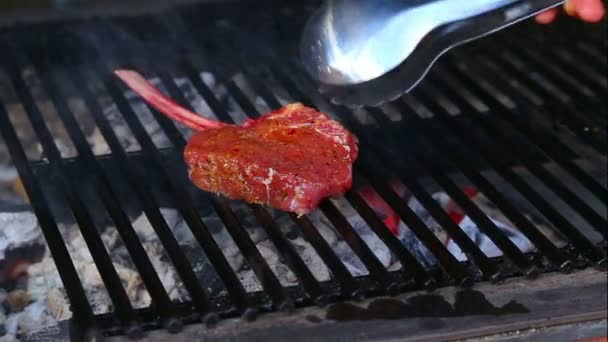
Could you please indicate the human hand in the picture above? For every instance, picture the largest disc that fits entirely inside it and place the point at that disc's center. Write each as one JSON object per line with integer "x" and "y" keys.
{"x": 588, "y": 10}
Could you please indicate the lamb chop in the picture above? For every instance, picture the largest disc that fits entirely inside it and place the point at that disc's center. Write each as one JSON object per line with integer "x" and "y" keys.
{"x": 289, "y": 159}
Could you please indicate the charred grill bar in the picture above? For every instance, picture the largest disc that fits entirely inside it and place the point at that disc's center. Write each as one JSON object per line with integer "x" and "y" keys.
{"x": 518, "y": 123}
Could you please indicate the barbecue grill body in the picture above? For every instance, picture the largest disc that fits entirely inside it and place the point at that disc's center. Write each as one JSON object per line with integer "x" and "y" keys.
{"x": 520, "y": 118}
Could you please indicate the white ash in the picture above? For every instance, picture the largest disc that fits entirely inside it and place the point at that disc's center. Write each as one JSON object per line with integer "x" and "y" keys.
{"x": 18, "y": 229}
{"x": 48, "y": 302}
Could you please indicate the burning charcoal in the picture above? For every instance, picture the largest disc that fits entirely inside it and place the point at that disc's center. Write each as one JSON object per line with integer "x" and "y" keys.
{"x": 34, "y": 317}
{"x": 281, "y": 270}
{"x": 98, "y": 143}
{"x": 123, "y": 133}
{"x": 415, "y": 246}
{"x": 57, "y": 304}
{"x": 18, "y": 229}
{"x": 443, "y": 200}
{"x": 183, "y": 234}
{"x": 8, "y": 338}
{"x": 11, "y": 326}
{"x": 312, "y": 259}
{"x": 324, "y": 227}
{"x": 360, "y": 226}
{"x": 234, "y": 256}
{"x": 41, "y": 276}
{"x": 165, "y": 271}
{"x": 17, "y": 299}
{"x": 485, "y": 244}
{"x": 25, "y": 132}
{"x": 206, "y": 274}
{"x": 143, "y": 228}
{"x": 249, "y": 281}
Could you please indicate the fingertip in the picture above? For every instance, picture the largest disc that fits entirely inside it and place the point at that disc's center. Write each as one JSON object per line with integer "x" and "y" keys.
{"x": 546, "y": 17}
{"x": 570, "y": 8}
{"x": 590, "y": 10}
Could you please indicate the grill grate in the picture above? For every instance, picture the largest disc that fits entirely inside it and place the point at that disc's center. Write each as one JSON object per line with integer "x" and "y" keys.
{"x": 502, "y": 115}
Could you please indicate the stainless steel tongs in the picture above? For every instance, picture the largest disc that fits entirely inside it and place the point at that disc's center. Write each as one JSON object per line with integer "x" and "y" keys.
{"x": 367, "y": 52}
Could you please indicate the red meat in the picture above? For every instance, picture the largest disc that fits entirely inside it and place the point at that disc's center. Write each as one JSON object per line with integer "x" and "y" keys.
{"x": 289, "y": 159}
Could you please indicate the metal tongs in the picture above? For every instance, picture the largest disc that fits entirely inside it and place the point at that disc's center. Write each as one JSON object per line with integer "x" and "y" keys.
{"x": 367, "y": 52}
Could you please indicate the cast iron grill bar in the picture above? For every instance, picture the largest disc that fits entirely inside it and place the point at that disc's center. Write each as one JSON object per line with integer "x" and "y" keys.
{"x": 79, "y": 304}
{"x": 480, "y": 260}
{"x": 592, "y": 53}
{"x": 450, "y": 264}
{"x": 138, "y": 130}
{"x": 201, "y": 233}
{"x": 334, "y": 264}
{"x": 547, "y": 143}
{"x": 573, "y": 62}
{"x": 432, "y": 207}
{"x": 341, "y": 224}
{"x": 542, "y": 142}
{"x": 570, "y": 83}
{"x": 424, "y": 93}
{"x": 184, "y": 201}
{"x": 557, "y": 72}
{"x": 291, "y": 256}
{"x": 138, "y": 254}
{"x": 368, "y": 258}
{"x": 553, "y": 96}
{"x": 462, "y": 162}
{"x": 486, "y": 226}
{"x": 348, "y": 286}
{"x": 567, "y": 113}
{"x": 438, "y": 214}
{"x": 365, "y": 254}
{"x": 408, "y": 261}
{"x": 198, "y": 294}
{"x": 270, "y": 97}
{"x": 568, "y": 61}
{"x": 83, "y": 218}
{"x": 540, "y": 172}
{"x": 332, "y": 261}
{"x": 584, "y": 246}
{"x": 510, "y": 61}
{"x": 428, "y": 203}
{"x": 103, "y": 262}
{"x": 469, "y": 247}
{"x": 570, "y": 38}
{"x": 270, "y": 283}
{"x": 554, "y": 72}
{"x": 501, "y": 241}
{"x": 550, "y": 145}
{"x": 271, "y": 227}
{"x": 256, "y": 261}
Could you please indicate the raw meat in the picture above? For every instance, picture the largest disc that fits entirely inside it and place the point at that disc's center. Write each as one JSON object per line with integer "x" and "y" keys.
{"x": 289, "y": 159}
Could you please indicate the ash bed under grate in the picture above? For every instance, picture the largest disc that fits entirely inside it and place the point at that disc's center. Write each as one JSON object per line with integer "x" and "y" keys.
{"x": 495, "y": 166}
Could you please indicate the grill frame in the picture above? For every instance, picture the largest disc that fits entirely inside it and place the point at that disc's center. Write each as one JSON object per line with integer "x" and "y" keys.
{"x": 271, "y": 67}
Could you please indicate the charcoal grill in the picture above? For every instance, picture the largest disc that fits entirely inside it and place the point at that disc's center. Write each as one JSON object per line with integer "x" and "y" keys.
{"x": 520, "y": 116}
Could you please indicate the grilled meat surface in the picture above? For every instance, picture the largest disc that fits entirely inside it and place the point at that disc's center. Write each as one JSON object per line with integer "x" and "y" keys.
{"x": 289, "y": 159}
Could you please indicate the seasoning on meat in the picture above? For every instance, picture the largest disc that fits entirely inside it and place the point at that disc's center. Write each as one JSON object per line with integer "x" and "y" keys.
{"x": 289, "y": 159}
